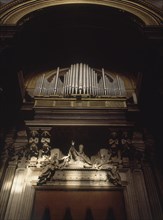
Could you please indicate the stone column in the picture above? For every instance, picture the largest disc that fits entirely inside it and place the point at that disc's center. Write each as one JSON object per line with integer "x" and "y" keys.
{"x": 131, "y": 202}
{"x": 28, "y": 195}
{"x": 152, "y": 193}
{"x": 141, "y": 195}
{"x": 6, "y": 187}
{"x": 12, "y": 211}
{"x": 21, "y": 197}
{"x": 136, "y": 199}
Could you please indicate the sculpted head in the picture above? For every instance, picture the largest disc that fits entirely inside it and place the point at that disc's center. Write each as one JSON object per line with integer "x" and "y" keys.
{"x": 81, "y": 148}
{"x": 103, "y": 153}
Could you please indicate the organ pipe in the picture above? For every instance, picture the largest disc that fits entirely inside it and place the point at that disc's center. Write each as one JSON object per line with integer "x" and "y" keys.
{"x": 80, "y": 79}
{"x": 87, "y": 86}
{"x": 84, "y": 78}
{"x": 56, "y": 81}
{"x": 77, "y": 78}
{"x": 119, "y": 87}
{"x": 68, "y": 86}
{"x": 41, "y": 87}
{"x": 73, "y": 78}
{"x": 103, "y": 76}
{"x": 90, "y": 81}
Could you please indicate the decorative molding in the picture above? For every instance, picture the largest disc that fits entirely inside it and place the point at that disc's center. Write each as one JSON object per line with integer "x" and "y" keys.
{"x": 122, "y": 164}
{"x": 14, "y": 12}
{"x": 86, "y": 103}
{"x": 123, "y": 152}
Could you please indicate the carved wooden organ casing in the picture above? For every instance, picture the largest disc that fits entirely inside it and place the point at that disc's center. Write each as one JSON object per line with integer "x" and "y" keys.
{"x": 66, "y": 110}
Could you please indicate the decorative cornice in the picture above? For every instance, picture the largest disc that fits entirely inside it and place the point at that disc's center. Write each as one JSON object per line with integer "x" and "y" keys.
{"x": 13, "y": 12}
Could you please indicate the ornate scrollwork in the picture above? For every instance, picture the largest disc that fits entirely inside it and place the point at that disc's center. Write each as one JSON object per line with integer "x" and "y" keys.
{"x": 39, "y": 143}
{"x": 78, "y": 160}
{"x": 123, "y": 150}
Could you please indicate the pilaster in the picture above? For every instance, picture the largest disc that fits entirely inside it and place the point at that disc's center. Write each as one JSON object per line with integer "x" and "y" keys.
{"x": 141, "y": 195}
{"x": 6, "y": 187}
{"x": 21, "y": 197}
{"x": 152, "y": 193}
{"x": 131, "y": 202}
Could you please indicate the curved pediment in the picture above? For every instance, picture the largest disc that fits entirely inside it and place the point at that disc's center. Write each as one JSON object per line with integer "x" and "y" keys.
{"x": 12, "y": 13}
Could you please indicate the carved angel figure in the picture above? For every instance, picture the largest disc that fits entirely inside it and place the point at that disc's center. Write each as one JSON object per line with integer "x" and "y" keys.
{"x": 113, "y": 176}
{"x": 49, "y": 170}
{"x": 102, "y": 160}
{"x": 79, "y": 157}
{"x": 46, "y": 149}
{"x": 114, "y": 147}
{"x": 126, "y": 145}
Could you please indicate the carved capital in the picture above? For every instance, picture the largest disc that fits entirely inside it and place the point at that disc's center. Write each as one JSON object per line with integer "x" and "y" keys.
{"x": 39, "y": 140}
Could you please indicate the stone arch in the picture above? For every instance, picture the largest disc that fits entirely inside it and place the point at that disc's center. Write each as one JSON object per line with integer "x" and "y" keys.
{"x": 13, "y": 12}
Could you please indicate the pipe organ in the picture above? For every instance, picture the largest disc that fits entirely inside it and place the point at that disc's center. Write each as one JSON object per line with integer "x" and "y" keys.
{"x": 73, "y": 109}
{"x": 80, "y": 79}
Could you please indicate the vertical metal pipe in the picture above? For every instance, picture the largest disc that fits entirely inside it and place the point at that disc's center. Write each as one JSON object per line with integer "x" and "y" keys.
{"x": 56, "y": 81}
{"x": 84, "y": 78}
{"x": 77, "y": 78}
{"x": 123, "y": 90}
{"x": 107, "y": 85}
{"x": 63, "y": 87}
{"x": 58, "y": 87}
{"x": 80, "y": 79}
{"x": 93, "y": 88}
{"x": 69, "y": 81}
{"x": 51, "y": 90}
{"x": 110, "y": 87}
{"x": 73, "y": 78}
{"x": 70, "y": 84}
{"x": 115, "y": 83}
{"x": 90, "y": 81}
{"x": 65, "y": 83}
{"x": 92, "y": 77}
{"x": 64, "y": 79}
{"x": 96, "y": 84}
{"x": 103, "y": 76}
{"x": 101, "y": 90}
{"x": 119, "y": 86}
{"x": 87, "y": 86}
{"x": 41, "y": 87}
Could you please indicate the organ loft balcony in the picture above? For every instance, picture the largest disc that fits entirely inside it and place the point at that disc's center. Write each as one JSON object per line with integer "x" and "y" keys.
{"x": 80, "y": 92}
